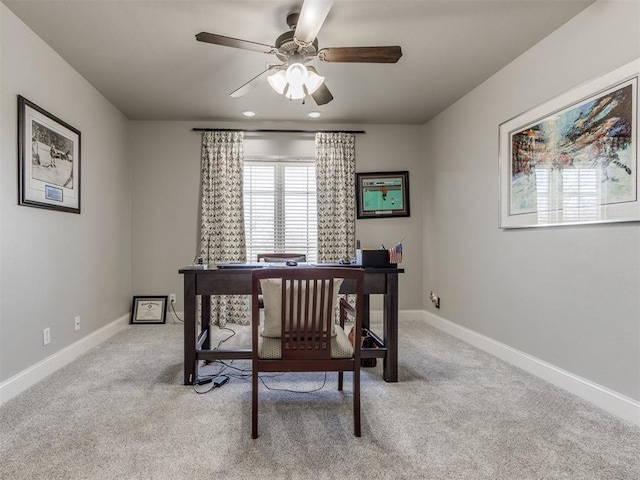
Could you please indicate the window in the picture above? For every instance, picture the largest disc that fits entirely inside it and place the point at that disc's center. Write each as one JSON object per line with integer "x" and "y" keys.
{"x": 280, "y": 208}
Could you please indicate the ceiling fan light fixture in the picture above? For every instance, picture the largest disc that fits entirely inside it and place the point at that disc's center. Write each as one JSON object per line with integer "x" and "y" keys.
{"x": 296, "y": 82}
{"x": 295, "y": 92}
{"x": 313, "y": 81}
{"x": 278, "y": 81}
{"x": 297, "y": 74}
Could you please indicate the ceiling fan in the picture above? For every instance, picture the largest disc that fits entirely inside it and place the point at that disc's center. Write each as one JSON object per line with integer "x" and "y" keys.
{"x": 298, "y": 46}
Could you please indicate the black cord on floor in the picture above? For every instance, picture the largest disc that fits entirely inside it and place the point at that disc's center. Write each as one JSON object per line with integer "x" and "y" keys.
{"x": 209, "y": 379}
{"x": 233, "y": 333}
{"x": 173, "y": 308}
{"x": 261, "y": 377}
{"x": 244, "y": 373}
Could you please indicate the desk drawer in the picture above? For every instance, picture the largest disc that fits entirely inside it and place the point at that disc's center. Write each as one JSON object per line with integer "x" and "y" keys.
{"x": 228, "y": 284}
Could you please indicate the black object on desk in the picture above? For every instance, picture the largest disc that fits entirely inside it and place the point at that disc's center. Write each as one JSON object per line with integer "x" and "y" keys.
{"x": 235, "y": 279}
{"x": 224, "y": 265}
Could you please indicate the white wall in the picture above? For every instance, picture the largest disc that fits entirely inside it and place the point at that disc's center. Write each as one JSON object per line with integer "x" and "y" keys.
{"x": 166, "y": 178}
{"x": 566, "y": 295}
{"x": 54, "y": 265}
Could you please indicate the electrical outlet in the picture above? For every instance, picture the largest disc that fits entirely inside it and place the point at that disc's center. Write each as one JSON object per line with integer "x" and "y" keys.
{"x": 172, "y": 298}
{"x": 46, "y": 336}
{"x": 435, "y": 300}
{"x": 77, "y": 323}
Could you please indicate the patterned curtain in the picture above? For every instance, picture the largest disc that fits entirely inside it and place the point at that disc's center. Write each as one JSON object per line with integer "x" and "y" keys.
{"x": 335, "y": 171}
{"x": 222, "y": 216}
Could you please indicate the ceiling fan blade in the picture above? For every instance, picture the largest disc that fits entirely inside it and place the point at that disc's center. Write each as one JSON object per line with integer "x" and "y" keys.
{"x": 361, "y": 54}
{"x": 311, "y": 18}
{"x": 234, "y": 42}
{"x": 322, "y": 95}
{"x": 255, "y": 81}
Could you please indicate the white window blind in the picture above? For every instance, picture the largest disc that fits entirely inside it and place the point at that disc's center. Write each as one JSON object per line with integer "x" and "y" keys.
{"x": 280, "y": 208}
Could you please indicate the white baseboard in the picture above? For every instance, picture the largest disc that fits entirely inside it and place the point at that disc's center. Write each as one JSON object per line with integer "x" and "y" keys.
{"x": 32, "y": 375}
{"x": 609, "y": 400}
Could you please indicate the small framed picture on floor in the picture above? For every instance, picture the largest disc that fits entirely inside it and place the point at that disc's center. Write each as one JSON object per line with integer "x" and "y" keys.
{"x": 149, "y": 309}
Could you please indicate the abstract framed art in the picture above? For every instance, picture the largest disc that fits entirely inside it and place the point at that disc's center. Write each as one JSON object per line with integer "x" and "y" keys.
{"x": 574, "y": 159}
{"x": 48, "y": 160}
{"x": 382, "y": 194}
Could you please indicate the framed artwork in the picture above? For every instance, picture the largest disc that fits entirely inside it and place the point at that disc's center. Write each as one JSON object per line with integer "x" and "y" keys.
{"x": 382, "y": 194}
{"x": 48, "y": 160}
{"x": 149, "y": 309}
{"x": 574, "y": 159}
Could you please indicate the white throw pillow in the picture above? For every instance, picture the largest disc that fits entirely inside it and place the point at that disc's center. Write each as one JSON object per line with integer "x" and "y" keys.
{"x": 272, "y": 298}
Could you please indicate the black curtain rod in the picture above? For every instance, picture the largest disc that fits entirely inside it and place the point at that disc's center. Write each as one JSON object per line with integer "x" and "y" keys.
{"x": 196, "y": 129}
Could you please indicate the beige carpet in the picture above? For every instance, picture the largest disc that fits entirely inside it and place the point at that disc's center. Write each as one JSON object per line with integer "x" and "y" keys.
{"x": 457, "y": 413}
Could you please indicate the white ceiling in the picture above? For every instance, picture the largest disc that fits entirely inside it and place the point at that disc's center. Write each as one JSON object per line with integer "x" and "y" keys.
{"x": 142, "y": 54}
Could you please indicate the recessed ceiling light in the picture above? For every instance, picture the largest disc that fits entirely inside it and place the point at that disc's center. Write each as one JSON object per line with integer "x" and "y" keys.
{"x": 249, "y": 113}
{"x": 314, "y": 114}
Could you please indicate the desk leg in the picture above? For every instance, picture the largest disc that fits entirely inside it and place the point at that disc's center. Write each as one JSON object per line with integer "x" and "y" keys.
{"x": 390, "y": 329}
{"x": 205, "y": 302}
{"x": 189, "y": 328}
{"x": 366, "y": 310}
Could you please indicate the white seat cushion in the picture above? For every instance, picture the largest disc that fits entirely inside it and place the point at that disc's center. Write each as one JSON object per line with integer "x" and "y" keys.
{"x": 269, "y": 347}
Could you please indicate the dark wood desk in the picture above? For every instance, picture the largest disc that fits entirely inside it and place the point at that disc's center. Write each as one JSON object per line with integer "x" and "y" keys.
{"x": 202, "y": 282}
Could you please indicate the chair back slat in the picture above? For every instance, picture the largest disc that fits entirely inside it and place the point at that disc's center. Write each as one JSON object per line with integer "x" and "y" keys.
{"x": 314, "y": 320}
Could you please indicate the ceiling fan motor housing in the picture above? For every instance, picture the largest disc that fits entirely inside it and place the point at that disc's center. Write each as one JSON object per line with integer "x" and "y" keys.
{"x": 288, "y": 47}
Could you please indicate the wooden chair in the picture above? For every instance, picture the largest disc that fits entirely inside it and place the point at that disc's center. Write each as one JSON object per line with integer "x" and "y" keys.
{"x": 299, "y": 333}
{"x": 281, "y": 257}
